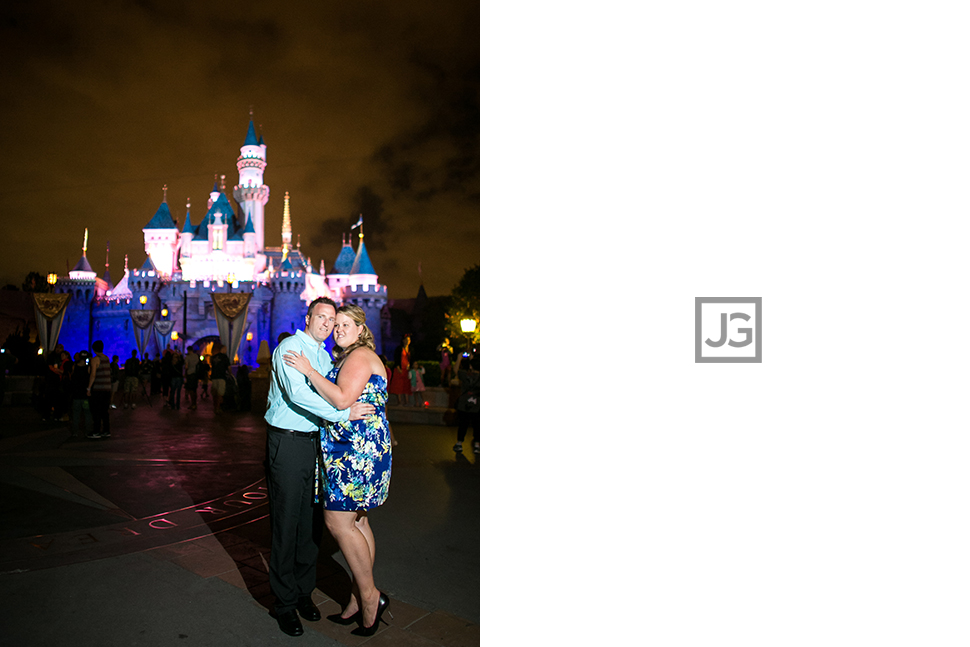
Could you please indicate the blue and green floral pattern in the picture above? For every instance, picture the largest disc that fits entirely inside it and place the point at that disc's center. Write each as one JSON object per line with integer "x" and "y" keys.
{"x": 356, "y": 455}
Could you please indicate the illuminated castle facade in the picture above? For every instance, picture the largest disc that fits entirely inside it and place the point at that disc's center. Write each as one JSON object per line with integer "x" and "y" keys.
{"x": 224, "y": 252}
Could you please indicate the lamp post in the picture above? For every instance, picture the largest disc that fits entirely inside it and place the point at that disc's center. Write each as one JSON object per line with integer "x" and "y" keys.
{"x": 51, "y": 281}
{"x": 468, "y": 328}
{"x": 231, "y": 279}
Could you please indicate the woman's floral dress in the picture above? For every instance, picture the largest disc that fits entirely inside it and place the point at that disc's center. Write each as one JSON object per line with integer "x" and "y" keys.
{"x": 356, "y": 455}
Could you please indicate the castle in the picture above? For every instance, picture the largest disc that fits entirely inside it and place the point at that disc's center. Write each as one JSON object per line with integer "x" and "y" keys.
{"x": 215, "y": 280}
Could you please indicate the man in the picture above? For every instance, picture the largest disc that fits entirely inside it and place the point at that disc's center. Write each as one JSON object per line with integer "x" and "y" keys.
{"x": 115, "y": 380}
{"x": 292, "y": 443}
{"x": 132, "y": 366}
{"x": 99, "y": 391}
{"x": 191, "y": 378}
{"x": 220, "y": 367}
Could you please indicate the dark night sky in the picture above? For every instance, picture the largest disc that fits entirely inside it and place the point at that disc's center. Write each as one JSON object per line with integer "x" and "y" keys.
{"x": 365, "y": 107}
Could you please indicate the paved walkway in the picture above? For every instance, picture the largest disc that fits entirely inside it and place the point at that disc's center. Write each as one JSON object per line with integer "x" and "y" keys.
{"x": 159, "y": 536}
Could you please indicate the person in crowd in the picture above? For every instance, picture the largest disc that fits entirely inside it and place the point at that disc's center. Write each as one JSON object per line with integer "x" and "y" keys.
{"x": 244, "y": 389}
{"x": 132, "y": 367}
{"x": 220, "y": 368}
{"x": 356, "y": 458}
{"x": 145, "y": 377}
{"x": 203, "y": 371}
{"x": 467, "y": 406}
{"x": 52, "y": 385}
{"x": 294, "y": 418}
{"x": 81, "y": 422}
{"x": 156, "y": 375}
{"x": 400, "y": 382}
{"x": 447, "y": 352}
{"x": 166, "y": 372}
{"x": 191, "y": 377}
{"x": 177, "y": 370}
{"x": 64, "y": 388}
{"x": 99, "y": 391}
{"x": 416, "y": 375}
{"x": 115, "y": 380}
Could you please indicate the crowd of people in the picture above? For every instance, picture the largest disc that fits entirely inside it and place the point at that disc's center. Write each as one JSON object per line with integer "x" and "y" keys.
{"x": 83, "y": 388}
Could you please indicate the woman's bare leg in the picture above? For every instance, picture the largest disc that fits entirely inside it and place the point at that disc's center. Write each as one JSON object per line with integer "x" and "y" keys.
{"x": 356, "y": 542}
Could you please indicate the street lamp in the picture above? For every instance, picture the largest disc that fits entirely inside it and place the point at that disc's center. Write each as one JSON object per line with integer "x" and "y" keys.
{"x": 468, "y": 327}
{"x": 143, "y": 299}
{"x": 51, "y": 280}
{"x": 232, "y": 279}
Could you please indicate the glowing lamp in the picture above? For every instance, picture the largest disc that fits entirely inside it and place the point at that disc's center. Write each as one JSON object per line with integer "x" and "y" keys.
{"x": 143, "y": 299}
{"x": 51, "y": 278}
{"x": 164, "y": 312}
{"x": 468, "y": 325}
{"x": 175, "y": 335}
{"x": 40, "y": 351}
{"x": 249, "y": 336}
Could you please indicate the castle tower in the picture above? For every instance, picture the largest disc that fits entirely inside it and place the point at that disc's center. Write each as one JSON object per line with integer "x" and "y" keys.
{"x": 364, "y": 291}
{"x": 162, "y": 238}
{"x": 289, "y": 310}
{"x": 287, "y": 225}
{"x": 188, "y": 232}
{"x": 251, "y": 194}
{"x": 76, "y": 327}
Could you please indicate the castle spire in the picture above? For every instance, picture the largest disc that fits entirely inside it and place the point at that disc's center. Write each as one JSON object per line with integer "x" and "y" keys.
{"x": 84, "y": 247}
{"x": 287, "y": 227}
{"x": 164, "y": 193}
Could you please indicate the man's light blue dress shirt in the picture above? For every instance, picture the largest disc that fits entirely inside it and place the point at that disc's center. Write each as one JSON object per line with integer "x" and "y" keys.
{"x": 294, "y": 404}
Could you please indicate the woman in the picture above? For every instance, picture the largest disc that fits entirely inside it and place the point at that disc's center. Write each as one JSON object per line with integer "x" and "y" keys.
{"x": 400, "y": 381}
{"x": 356, "y": 459}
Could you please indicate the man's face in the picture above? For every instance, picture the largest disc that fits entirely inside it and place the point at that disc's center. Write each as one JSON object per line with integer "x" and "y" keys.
{"x": 319, "y": 322}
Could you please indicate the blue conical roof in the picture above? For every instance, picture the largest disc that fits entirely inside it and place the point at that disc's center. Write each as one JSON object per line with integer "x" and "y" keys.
{"x": 162, "y": 218}
{"x": 362, "y": 262}
{"x": 83, "y": 265}
{"x": 220, "y": 206}
{"x": 251, "y": 139}
{"x": 187, "y": 228}
{"x": 345, "y": 260}
{"x": 148, "y": 265}
{"x": 249, "y": 226}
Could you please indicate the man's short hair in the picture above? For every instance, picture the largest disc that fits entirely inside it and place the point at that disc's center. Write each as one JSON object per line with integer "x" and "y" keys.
{"x": 98, "y": 346}
{"x": 324, "y": 300}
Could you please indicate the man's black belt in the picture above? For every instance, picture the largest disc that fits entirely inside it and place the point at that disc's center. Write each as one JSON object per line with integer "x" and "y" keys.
{"x": 308, "y": 434}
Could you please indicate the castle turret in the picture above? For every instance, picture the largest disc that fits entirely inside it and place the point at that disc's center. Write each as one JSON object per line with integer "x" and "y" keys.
{"x": 251, "y": 194}
{"x": 188, "y": 232}
{"x": 75, "y": 331}
{"x": 287, "y": 233}
{"x": 162, "y": 238}
{"x": 364, "y": 291}
{"x": 249, "y": 239}
{"x": 289, "y": 309}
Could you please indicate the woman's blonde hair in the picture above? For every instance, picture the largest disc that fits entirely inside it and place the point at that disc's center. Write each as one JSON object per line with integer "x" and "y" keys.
{"x": 356, "y": 313}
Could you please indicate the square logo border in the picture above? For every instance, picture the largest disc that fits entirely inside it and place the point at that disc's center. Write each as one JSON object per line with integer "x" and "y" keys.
{"x": 699, "y": 359}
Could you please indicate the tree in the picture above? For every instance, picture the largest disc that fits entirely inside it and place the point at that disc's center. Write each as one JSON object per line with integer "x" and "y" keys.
{"x": 35, "y": 282}
{"x": 464, "y": 304}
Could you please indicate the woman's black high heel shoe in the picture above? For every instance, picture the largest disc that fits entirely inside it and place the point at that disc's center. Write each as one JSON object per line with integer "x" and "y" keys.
{"x": 340, "y": 620}
{"x": 382, "y": 604}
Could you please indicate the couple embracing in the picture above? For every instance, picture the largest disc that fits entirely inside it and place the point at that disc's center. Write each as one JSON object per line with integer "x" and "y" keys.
{"x": 327, "y": 414}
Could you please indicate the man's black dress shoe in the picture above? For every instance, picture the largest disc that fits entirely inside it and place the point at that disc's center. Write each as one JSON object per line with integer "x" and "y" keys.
{"x": 290, "y": 623}
{"x": 307, "y": 609}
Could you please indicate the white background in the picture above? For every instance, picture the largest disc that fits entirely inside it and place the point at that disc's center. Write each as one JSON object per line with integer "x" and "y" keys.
{"x": 636, "y": 156}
